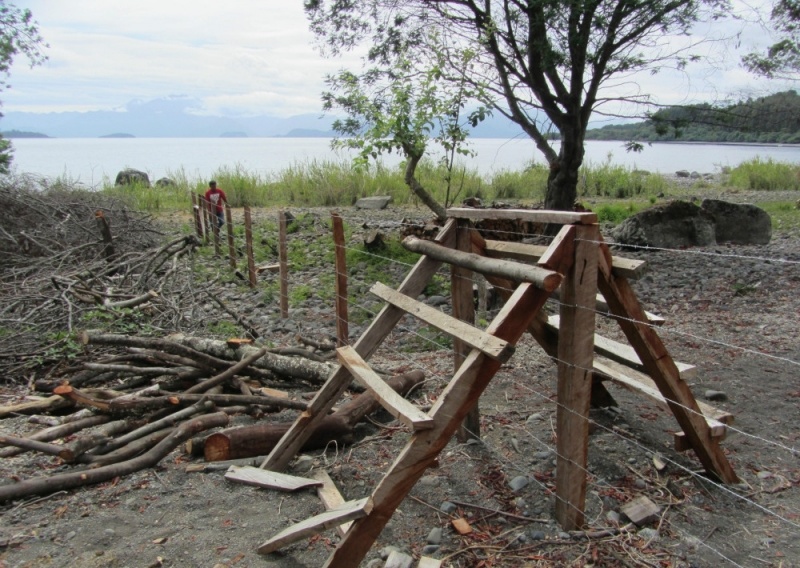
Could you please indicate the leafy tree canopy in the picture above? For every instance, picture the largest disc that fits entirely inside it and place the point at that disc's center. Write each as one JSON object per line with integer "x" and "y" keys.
{"x": 545, "y": 64}
{"x": 782, "y": 59}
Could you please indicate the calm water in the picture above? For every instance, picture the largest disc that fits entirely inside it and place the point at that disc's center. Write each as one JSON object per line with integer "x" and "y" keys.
{"x": 90, "y": 160}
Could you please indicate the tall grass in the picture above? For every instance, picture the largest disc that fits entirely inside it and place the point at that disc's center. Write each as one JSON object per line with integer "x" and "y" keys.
{"x": 768, "y": 175}
{"x": 609, "y": 180}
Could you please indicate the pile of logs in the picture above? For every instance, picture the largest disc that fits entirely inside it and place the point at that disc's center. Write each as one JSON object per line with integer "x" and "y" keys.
{"x": 128, "y": 411}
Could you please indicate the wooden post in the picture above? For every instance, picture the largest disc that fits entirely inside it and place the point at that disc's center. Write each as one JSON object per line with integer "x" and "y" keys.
{"x": 198, "y": 222}
{"x": 575, "y": 361}
{"x": 248, "y": 236}
{"x": 206, "y": 217}
{"x": 342, "y": 332}
{"x": 105, "y": 233}
{"x": 464, "y": 310}
{"x": 215, "y": 228}
{"x": 284, "y": 265}
{"x": 231, "y": 247}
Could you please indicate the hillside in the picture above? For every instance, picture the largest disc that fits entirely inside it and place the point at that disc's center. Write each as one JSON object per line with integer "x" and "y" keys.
{"x": 774, "y": 119}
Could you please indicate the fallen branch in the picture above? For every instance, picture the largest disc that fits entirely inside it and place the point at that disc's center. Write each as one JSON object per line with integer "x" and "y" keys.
{"x": 45, "y": 485}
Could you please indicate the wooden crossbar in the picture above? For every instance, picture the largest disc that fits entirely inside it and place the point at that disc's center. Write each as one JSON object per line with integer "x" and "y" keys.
{"x": 492, "y": 346}
{"x": 397, "y": 406}
{"x": 529, "y": 215}
{"x": 350, "y": 511}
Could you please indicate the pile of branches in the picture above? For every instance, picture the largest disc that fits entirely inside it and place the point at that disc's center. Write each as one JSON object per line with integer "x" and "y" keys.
{"x": 66, "y": 252}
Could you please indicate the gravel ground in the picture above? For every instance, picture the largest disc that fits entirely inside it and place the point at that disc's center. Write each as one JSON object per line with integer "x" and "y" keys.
{"x": 730, "y": 310}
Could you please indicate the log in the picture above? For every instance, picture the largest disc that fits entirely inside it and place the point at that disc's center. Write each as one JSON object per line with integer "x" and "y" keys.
{"x": 35, "y": 406}
{"x": 72, "y": 480}
{"x": 259, "y": 439}
{"x": 56, "y": 432}
{"x": 229, "y": 373}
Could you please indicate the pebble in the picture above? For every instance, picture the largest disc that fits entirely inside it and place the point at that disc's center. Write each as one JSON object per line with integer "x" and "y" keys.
{"x": 564, "y": 535}
{"x": 537, "y": 535}
{"x": 447, "y": 507}
{"x": 648, "y": 534}
{"x": 640, "y": 484}
{"x": 518, "y": 483}
{"x": 715, "y": 395}
{"x": 435, "y": 536}
{"x": 430, "y": 549}
{"x": 613, "y": 517}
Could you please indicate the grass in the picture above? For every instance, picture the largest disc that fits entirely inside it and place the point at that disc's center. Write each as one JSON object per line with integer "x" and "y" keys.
{"x": 765, "y": 175}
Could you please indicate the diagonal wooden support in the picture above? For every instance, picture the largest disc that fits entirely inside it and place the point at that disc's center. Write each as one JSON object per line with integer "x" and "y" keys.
{"x": 413, "y": 285}
{"x": 662, "y": 369}
{"x": 452, "y": 405}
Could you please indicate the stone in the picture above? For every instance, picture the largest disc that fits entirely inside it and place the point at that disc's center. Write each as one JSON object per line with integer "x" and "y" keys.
{"x": 682, "y": 174}
{"x": 518, "y": 483}
{"x": 537, "y": 535}
{"x": 435, "y": 536}
{"x": 447, "y": 507}
{"x": 165, "y": 182}
{"x": 374, "y": 202}
{"x": 676, "y": 224}
{"x": 739, "y": 223}
{"x": 641, "y": 511}
{"x": 131, "y": 176}
{"x": 648, "y": 534}
{"x": 715, "y": 395}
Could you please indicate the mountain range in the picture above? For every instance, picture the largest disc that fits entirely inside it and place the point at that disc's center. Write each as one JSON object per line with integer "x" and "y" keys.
{"x": 177, "y": 117}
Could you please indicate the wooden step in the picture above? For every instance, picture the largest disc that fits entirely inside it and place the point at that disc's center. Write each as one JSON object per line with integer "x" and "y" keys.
{"x": 629, "y": 268}
{"x": 329, "y": 494}
{"x": 397, "y": 406}
{"x": 624, "y": 353}
{"x": 639, "y": 382}
{"x": 250, "y": 475}
{"x": 350, "y": 511}
{"x": 486, "y": 343}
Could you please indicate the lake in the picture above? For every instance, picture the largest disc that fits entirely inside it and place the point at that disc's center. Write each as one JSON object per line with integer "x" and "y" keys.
{"x": 91, "y": 160}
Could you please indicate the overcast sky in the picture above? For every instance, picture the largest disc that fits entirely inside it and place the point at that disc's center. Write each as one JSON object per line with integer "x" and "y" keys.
{"x": 238, "y": 57}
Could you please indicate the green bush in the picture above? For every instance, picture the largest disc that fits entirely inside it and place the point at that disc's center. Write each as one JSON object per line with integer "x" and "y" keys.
{"x": 766, "y": 175}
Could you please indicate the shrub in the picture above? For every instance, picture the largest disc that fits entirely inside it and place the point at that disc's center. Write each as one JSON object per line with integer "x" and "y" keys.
{"x": 766, "y": 175}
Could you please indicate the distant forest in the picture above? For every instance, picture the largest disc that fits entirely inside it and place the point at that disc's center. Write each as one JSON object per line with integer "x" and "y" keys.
{"x": 767, "y": 120}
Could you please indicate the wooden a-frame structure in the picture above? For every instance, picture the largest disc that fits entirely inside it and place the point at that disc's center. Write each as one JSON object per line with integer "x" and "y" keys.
{"x": 575, "y": 266}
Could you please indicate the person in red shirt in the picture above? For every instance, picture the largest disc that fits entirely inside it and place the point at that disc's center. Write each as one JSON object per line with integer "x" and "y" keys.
{"x": 216, "y": 197}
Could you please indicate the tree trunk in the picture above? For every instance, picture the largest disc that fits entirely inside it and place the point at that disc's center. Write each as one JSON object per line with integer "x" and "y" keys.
{"x": 417, "y": 189}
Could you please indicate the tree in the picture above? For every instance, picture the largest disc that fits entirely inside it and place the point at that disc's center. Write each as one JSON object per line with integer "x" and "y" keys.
{"x": 403, "y": 110}
{"x": 19, "y": 34}
{"x": 548, "y": 64}
{"x": 783, "y": 57}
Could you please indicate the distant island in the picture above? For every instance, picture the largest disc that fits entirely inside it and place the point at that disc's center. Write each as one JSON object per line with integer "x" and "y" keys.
{"x": 118, "y": 135}
{"x": 23, "y": 134}
{"x": 233, "y": 135}
{"x": 307, "y": 133}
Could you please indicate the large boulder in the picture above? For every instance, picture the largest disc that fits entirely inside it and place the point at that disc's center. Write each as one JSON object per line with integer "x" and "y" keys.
{"x": 673, "y": 225}
{"x": 375, "y": 202}
{"x": 130, "y": 176}
{"x": 739, "y": 223}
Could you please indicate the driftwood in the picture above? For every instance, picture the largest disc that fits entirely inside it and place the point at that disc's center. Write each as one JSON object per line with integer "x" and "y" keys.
{"x": 259, "y": 439}
{"x": 35, "y": 406}
{"x": 46, "y": 485}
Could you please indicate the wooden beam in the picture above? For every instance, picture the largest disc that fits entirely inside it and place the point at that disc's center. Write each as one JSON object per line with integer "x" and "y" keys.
{"x": 624, "y": 353}
{"x": 448, "y": 412}
{"x": 337, "y": 384}
{"x": 662, "y": 369}
{"x": 525, "y": 215}
{"x": 397, "y": 406}
{"x": 463, "y": 305}
{"x": 349, "y": 511}
{"x": 627, "y": 267}
{"x": 543, "y": 278}
{"x": 329, "y": 494}
{"x": 270, "y": 479}
{"x": 492, "y": 346}
{"x": 574, "y": 390}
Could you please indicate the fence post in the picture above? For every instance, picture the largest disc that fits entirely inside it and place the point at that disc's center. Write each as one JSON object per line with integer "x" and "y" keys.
{"x": 575, "y": 363}
{"x": 198, "y": 223}
{"x": 105, "y": 233}
{"x": 206, "y": 217}
{"x": 231, "y": 247}
{"x": 342, "y": 331}
{"x": 248, "y": 236}
{"x": 284, "y": 265}
{"x": 464, "y": 310}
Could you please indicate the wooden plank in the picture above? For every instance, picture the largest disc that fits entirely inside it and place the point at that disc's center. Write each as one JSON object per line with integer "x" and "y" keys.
{"x": 371, "y": 339}
{"x": 397, "y": 406}
{"x": 623, "y": 353}
{"x": 428, "y": 562}
{"x": 283, "y": 261}
{"x": 250, "y": 475}
{"x": 574, "y": 389}
{"x": 530, "y": 215}
{"x": 492, "y": 346}
{"x": 461, "y": 525}
{"x": 643, "y": 384}
{"x": 641, "y": 511}
{"x": 662, "y": 369}
{"x": 329, "y": 494}
{"x": 340, "y": 302}
{"x": 398, "y": 559}
{"x": 463, "y": 308}
{"x": 627, "y": 267}
{"x": 349, "y": 511}
{"x": 449, "y": 410}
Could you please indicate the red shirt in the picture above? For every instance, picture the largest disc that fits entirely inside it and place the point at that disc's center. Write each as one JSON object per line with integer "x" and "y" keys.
{"x": 217, "y": 197}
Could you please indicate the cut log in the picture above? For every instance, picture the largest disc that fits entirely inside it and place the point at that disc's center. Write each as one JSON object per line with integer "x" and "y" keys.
{"x": 250, "y": 441}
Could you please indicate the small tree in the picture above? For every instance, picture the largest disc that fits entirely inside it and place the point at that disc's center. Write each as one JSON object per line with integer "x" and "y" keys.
{"x": 19, "y": 34}
{"x": 782, "y": 59}
{"x": 403, "y": 110}
{"x": 546, "y": 63}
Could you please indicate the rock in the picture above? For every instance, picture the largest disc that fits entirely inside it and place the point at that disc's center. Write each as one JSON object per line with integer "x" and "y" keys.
{"x": 682, "y": 174}
{"x": 435, "y": 536}
{"x": 399, "y": 559}
{"x": 641, "y": 510}
{"x": 165, "y": 182}
{"x": 518, "y": 483}
{"x": 648, "y": 534}
{"x": 130, "y": 176}
{"x": 447, "y": 507}
{"x": 375, "y": 202}
{"x": 739, "y": 223}
{"x": 715, "y": 395}
{"x": 673, "y": 225}
{"x": 537, "y": 535}
{"x": 430, "y": 549}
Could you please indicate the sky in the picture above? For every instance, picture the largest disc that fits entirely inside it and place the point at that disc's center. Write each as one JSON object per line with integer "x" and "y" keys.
{"x": 251, "y": 57}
